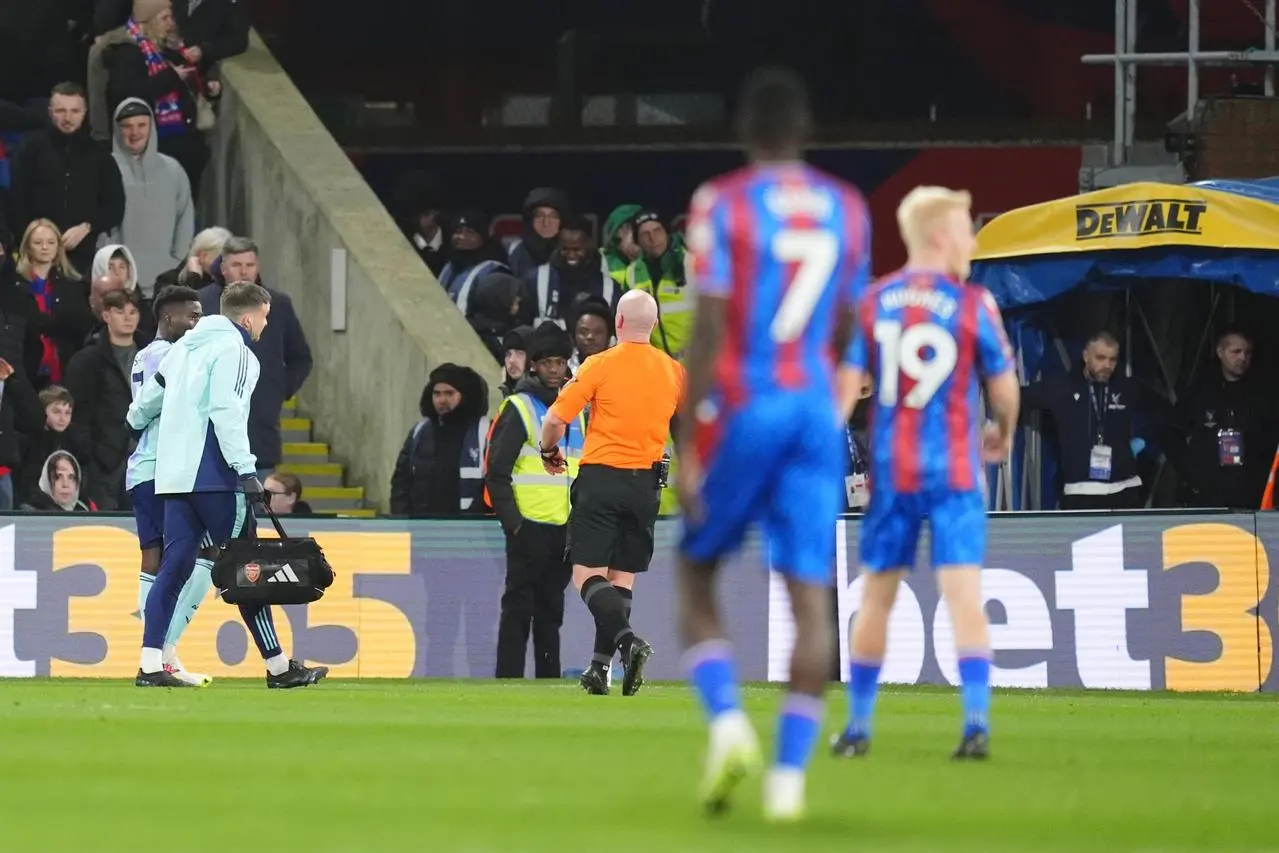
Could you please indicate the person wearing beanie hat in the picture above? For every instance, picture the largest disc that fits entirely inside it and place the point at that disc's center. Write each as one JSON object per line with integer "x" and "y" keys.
{"x": 545, "y": 209}
{"x": 437, "y": 472}
{"x": 533, "y": 513}
{"x": 660, "y": 273}
{"x": 515, "y": 360}
{"x": 473, "y": 254}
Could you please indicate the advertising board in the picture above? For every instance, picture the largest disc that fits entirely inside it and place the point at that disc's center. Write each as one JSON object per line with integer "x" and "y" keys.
{"x": 1141, "y": 601}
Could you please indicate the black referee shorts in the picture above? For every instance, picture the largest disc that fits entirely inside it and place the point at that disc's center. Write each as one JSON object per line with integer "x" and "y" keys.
{"x": 613, "y": 517}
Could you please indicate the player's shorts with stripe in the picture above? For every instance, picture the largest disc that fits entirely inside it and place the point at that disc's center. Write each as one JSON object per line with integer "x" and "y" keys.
{"x": 148, "y": 515}
{"x": 778, "y": 462}
{"x": 889, "y": 534}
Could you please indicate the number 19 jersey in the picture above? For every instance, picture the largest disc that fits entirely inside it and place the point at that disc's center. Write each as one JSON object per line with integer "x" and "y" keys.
{"x": 928, "y": 342}
{"x": 788, "y": 249}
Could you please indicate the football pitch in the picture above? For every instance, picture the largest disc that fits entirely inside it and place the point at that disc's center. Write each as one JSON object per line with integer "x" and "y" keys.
{"x": 448, "y": 766}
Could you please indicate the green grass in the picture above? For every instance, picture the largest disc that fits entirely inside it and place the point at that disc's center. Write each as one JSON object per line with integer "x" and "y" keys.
{"x": 445, "y": 767}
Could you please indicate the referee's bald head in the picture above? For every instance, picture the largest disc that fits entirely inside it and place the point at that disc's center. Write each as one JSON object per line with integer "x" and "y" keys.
{"x": 636, "y": 316}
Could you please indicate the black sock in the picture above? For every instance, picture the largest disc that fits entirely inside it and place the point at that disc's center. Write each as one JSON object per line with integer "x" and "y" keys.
{"x": 604, "y": 646}
{"x": 609, "y": 609}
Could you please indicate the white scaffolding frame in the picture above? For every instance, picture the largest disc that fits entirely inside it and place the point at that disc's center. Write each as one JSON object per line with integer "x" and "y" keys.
{"x": 1125, "y": 60}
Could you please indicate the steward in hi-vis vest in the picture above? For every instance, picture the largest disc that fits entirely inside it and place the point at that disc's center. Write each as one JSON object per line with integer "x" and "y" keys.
{"x": 533, "y": 508}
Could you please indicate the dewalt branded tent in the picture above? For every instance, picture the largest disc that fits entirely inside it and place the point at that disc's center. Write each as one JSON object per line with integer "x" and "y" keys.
{"x": 1163, "y": 259}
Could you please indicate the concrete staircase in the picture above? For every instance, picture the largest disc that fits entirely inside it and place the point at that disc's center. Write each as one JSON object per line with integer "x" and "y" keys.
{"x": 323, "y": 481}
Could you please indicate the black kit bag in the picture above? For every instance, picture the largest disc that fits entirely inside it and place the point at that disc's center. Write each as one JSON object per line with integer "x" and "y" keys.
{"x": 272, "y": 571}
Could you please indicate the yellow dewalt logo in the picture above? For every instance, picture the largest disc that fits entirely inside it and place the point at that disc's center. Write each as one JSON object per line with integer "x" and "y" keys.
{"x": 1139, "y": 218}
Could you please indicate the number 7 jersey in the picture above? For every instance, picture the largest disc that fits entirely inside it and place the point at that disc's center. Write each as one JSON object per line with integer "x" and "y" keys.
{"x": 789, "y": 248}
{"x": 928, "y": 342}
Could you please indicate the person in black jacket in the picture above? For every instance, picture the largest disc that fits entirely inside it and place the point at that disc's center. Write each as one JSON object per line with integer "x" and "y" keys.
{"x": 213, "y": 30}
{"x": 420, "y": 208}
{"x": 51, "y": 435}
{"x": 1093, "y": 415}
{"x": 439, "y": 469}
{"x": 19, "y": 413}
{"x": 1222, "y": 437}
{"x": 537, "y": 571}
{"x": 544, "y": 212}
{"x": 54, "y": 303}
{"x": 282, "y": 350}
{"x": 98, "y": 379}
{"x": 499, "y": 305}
{"x": 62, "y": 174}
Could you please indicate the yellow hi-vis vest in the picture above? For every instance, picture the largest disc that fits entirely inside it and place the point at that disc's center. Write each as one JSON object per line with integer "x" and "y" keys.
{"x": 675, "y": 306}
{"x": 543, "y": 497}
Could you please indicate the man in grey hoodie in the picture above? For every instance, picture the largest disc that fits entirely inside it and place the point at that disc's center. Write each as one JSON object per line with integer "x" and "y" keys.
{"x": 159, "y": 218}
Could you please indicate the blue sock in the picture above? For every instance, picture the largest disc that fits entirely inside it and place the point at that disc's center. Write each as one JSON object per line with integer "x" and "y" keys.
{"x": 863, "y": 688}
{"x": 714, "y": 676}
{"x": 144, "y": 589}
{"x": 797, "y": 729}
{"x": 974, "y": 675}
{"x": 189, "y": 600}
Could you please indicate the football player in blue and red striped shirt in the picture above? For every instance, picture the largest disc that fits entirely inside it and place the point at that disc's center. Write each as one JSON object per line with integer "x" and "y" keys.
{"x": 931, "y": 344}
{"x": 781, "y": 253}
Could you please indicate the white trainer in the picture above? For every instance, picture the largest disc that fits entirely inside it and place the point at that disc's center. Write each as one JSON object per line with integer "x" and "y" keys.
{"x": 733, "y": 755}
{"x": 174, "y": 667}
{"x": 784, "y": 795}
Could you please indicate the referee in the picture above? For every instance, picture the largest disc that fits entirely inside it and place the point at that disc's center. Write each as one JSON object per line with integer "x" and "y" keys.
{"x": 633, "y": 391}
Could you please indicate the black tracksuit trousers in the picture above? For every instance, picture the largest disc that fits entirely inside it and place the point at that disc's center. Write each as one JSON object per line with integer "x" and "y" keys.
{"x": 537, "y": 571}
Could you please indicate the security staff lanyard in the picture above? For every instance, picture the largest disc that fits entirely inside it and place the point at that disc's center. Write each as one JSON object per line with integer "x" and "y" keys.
{"x": 1101, "y": 457}
{"x": 1230, "y": 443}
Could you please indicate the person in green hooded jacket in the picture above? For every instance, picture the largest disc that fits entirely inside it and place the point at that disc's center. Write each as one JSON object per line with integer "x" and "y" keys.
{"x": 660, "y": 271}
{"x": 617, "y": 241}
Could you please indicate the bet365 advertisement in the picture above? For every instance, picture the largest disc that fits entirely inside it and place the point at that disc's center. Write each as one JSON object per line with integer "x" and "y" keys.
{"x": 1138, "y": 601}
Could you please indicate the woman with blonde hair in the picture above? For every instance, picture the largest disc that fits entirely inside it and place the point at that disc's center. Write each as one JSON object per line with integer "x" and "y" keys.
{"x": 48, "y": 294}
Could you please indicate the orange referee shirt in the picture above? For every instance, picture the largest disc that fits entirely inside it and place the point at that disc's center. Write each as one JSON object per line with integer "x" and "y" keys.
{"x": 633, "y": 390}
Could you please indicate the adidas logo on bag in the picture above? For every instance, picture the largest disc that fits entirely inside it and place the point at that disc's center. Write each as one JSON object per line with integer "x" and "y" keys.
{"x": 284, "y": 574}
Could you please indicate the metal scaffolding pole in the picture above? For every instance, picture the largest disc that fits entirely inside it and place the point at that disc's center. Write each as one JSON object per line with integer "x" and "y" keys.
{"x": 1270, "y": 46}
{"x": 1192, "y": 68}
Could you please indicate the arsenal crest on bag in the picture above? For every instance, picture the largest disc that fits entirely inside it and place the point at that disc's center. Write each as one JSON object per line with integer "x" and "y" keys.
{"x": 272, "y": 571}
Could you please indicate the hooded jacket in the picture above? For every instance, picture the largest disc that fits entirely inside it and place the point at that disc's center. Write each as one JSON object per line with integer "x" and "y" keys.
{"x": 159, "y": 218}
{"x": 285, "y": 360}
{"x": 490, "y": 310}
{"x": 201, "y": 395}
{"x": 440, "y": 467}
{"x": 102, "y": 264}
{"x": 617, "y": 261}
{"x": 532, "y": 250}
{"x": 146, "y": 318}
{"x": 42, "y": 500}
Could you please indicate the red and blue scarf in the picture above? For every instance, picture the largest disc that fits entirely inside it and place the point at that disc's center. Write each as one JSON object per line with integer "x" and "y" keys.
{"x": 168, "y": 108}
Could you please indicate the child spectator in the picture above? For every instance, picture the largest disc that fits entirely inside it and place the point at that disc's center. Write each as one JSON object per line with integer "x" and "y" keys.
{"x": 59, "y": 488}
{"x": 57, "y": 404}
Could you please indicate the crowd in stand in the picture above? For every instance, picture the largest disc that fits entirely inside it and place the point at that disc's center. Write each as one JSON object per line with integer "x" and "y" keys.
{"x": 99, "y": 215}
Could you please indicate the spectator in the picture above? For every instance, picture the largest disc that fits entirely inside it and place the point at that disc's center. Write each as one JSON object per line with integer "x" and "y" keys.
{"x": 59, "y": 487}
{"x": 38, "y": 444}
{"x": 63, "y": 175}
{"x": 19, "y": 413}
{"x": 159, "y": 220}
{"x": 196, "y": 270}
{"x": 660, "y": 272}
{"x": 53, "y": 302}
{"x": 282, "y": 350}
{"x": 619, "y": 247}
{"x": 1092, "y": 414}
{"x": 515, "y": 359}
{"x": 544, "y": 210}
{"x": 592, "y": 330}
{"x": 115, "y": 269}
{"x": 421, "y": 217}
{"x": 98, "y": 379}
{"x": 286, "y": 494}
{"x": 574, "y": 272}
{"x": 214, "y": 30}
{"x": 472, "y": 255}
{"x": 440, "y": 468}
{"x": 1223, "y": 434}
{"x": 500, "y": 305}
{"x": 154, "y": 67}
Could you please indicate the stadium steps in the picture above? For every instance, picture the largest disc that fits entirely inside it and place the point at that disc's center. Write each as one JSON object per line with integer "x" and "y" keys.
{"x": 323, "y": 481}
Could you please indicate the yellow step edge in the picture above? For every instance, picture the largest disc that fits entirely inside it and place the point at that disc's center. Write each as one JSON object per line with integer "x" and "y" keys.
{"x": 291, "y": 403}
{"x": 295, "y": 424}
{"x": 335, "y": 493}
{"x": 305, "y": 448}
{"x": 314, "y": 469}
{"x": 347, "y": 513}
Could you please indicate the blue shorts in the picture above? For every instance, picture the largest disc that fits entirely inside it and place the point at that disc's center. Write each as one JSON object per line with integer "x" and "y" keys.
{"x": 148, "y": 515}
{"x": 779, "y": 462}
{"x": 890, "y": 531}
